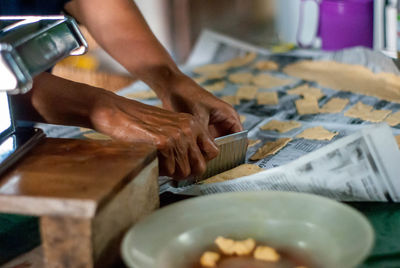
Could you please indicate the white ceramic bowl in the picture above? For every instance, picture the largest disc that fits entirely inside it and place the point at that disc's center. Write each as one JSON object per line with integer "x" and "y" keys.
{"x": 331, "y": 233}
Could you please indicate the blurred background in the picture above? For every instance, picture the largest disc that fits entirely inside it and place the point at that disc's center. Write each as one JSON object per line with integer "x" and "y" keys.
{"x": 272, "y": 24}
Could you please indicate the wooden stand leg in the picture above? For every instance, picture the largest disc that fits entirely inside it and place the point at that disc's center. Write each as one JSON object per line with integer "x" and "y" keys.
{"x": 66, "y": 242}
{"x": 95, "y": 242}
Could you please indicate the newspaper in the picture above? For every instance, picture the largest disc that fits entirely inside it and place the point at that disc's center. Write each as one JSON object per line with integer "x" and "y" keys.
{"x": 360, "y": 167}
{"x": 344, "y": 168}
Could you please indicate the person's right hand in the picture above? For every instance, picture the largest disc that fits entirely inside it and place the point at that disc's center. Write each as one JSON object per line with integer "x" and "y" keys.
{"x": 183, "y": 144}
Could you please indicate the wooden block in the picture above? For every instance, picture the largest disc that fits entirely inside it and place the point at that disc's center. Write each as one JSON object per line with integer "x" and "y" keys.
{"x": 87, "y": 193}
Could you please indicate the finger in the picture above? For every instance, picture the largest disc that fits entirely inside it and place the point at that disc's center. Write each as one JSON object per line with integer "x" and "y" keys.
{"x": 182, "y": 165}
{"x": 197, "y": 161}
{"x": 208, "y": 148}
{"x": 166, "y": 162}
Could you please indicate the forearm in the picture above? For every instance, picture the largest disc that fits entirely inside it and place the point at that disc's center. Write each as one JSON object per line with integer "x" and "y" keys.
{"x": 121, "y": 30}
{"x": 57, "y": 101}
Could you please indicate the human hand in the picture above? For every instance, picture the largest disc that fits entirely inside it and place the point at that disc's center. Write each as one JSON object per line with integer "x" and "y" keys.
{"x": 183, "y": 144}
{"x": 218, "y": 116}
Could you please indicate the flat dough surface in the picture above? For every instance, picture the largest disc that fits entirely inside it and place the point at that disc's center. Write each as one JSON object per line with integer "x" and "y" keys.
{"x": 252, "y": 143}
{"x": 393, "y": 119}
{"x": 237, "y": 172}
{"x": 241, "y": 78}
{"x": 242, "y": 118}
{"x": 347, "y": 77}
{"x": 376, "y": 116}
{"x": 246, "y": 92}
{"x": 270, "y": 148}
{"x": 142, "y": 95}
{"x": 334, "y": 105}
{"x": 308, "y": 105}
{"x": 306, "y": 91}
{"x": 281, "y": 126}
{"x": 317, "y": 133}
{"x": 96, "y": 136}
{"x": 267, "y": 98}
{"x": 218, "y": 86}
{"x": 266, "y": 65}
{"x": 269, "y": 81}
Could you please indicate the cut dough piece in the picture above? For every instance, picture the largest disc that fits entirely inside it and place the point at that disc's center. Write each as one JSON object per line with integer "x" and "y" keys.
{"x": 270, "y": 148}
{"x": 96, "y": 136}
{"x": 267, "y": 98}
{"x": 365, "y": 112}
{"x": 269, "y": 81}
{"x": 211, "y": 68}
{"x": 375, "y": 116}
{"x": 142, "y": 95}
{"x": 334, "y": 105}
{"x": 232, "y": 100}
{"x": 209, "y": 76}
{"x": 266, "y": 65}
{"x": 267, "y": 254}
{"x": 83, "y": 129}
{"x": 209, "y": 259}
{"x": 393, "y": 119}
{"x": 240, "y": 78}
{"x": 237, "y": 172}
{"x": 243, "y": 60}
{"x": 308, "y": 105}
{"x": 358, "y": 110}
{"x": 281, "y": 126}
{"x": 218, "y": 86}
{"x": 348, "y": 77}
{"x": 306, "y": 91}
{"x": 251, "y": 143}
{"x": 242, "y": 118}
{"x": 398, "y": 140}
{"x": 246, "y": 93}
{"x": 317, "y": 133}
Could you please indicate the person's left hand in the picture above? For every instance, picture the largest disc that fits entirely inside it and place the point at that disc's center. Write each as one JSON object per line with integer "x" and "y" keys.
{"x": 185, "y": 95}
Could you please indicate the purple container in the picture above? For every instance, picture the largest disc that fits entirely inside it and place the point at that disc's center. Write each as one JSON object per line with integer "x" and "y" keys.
{"x": 344, "y": 23}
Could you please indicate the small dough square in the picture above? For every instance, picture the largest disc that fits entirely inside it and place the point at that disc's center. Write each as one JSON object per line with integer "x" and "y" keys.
{"x": 266, "y": 65}
{"x": 281, "y": 126}
{"x": 242, "y": 60}
{"x": 237, "y": 172}
{"x": 246, "y": 92}
{"x": 375, "y": 116}
{"x": 308, "y": 105}
{"x": 269, "y": 81}
{"x": 211, "y": 68}
{"x": 317, "y": 133}
{"x": 240, "y": 78}
{"x": 267, "y": 98}
{"x": 242, "y": 118}
{"x": 358, "y": 110}
{"x": 334, "y": 105}
{"x": 142, "y": 95}
{"x": 393, "y": 119}
{"x": 209, "y": 76}
{"x": 218, "y": 86}
{"x": 270, "y": 148}
{"x": 232, "y": 100}
{"x": 306, "y": 91}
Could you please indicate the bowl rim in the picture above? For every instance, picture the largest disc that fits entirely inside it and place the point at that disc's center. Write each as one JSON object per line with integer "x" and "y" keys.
{"x": 126, "y": 256}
